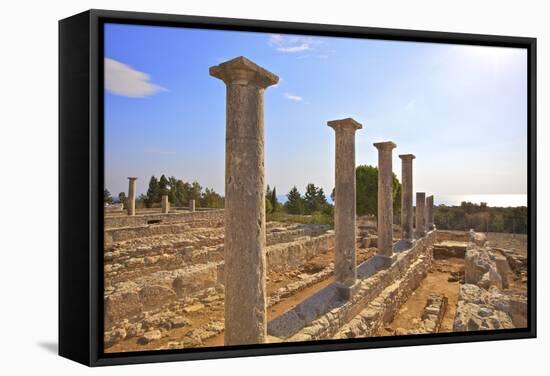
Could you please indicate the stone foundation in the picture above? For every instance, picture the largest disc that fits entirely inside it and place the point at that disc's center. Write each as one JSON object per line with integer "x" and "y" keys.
{"x": 143, "y": 218}
{"x": 376, "y": 298}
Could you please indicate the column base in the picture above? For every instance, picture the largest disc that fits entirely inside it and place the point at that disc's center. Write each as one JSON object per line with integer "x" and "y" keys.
{"x": 346, "y": 292}
{"x": 383, "y": 261}
{"x": 420, "y": 234}
{"x": 403, "y": 245}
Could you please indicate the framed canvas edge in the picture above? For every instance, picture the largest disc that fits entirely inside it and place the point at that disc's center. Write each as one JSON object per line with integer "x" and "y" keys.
{"x": 96, "y": 19}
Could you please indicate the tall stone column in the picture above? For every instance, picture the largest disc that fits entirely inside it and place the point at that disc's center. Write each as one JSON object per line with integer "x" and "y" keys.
{"x": 407, "y": 214}
{"x": 165, "y": 204}
{"x": 420, "y": 214}
{"x": 244, "y": 245}
{"x": 385, "y": 201}
{"x": 131, "y": 201}
{"x": 192, "y": 205}
{"x": 429, "y": 213}
{"x": 345, "y": 273}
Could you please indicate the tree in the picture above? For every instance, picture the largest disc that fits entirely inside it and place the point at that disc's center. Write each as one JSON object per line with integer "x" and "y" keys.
{"x": 210, "y": 199}
{"x": 194, "y": 192}
{"x": 123, "y": 199}
{"x": 180, "y": 197}
{"x": 153, "y": 192}
{"x": 273, "y": 199}
{"x": 294, "y": 204}
{"x": 268, "y": 205}
{"x": 164, "y": 187}
{"x": 172, "y": 184}
{"x": 367, "y": 191}
{"x": 107, "y": 198}
{"x": 366, "y": 178}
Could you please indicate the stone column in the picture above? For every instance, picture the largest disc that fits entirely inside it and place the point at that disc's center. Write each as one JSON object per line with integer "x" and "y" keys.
{"x": 429, "y": 213}
{"x": 345, "y": 273}
{"x": 165, "y": 204}
{"x": 420, "y": 214}
{"x": 244, "y": 244}
{"x": 192, "y": 205}
{"x": 407, "y": 196}
{"x": 131, "y": 201}
{"x": 385, "y": 201}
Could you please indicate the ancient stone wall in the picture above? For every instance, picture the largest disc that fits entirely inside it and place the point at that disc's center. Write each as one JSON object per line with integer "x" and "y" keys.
{"x": 380, "y": 292}
{"x": 147, "y": 278}
{"x": 485, "y": 300}
{"x": 149, "y": 217}
{"x": 455, "y": 236}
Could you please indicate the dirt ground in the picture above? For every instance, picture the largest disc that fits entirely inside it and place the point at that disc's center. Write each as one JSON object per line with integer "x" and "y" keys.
{"x": 437, "y": 281}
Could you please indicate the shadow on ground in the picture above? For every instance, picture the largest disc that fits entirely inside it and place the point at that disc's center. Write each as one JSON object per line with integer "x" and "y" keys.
{"x": 50, "y": 347}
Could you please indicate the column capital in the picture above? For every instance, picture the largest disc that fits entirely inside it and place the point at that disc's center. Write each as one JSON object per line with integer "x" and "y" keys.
{"x": 407, "y": 157}
{"x": 347, "y": 123}
{"x": 386, "y": 145}
{"x": 242, "y": 71}
{"x": 132, "y": 178}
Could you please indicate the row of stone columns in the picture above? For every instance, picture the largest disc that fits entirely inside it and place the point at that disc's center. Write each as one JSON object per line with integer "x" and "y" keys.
{"x": 424, "y": 213}
{"x": 244, "y": 242}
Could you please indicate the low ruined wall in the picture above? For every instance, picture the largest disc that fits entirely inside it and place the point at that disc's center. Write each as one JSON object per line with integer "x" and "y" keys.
{"x": 132, "y": 296}
{"x": 287, "y": 256}
{"x": 139, "y": 232}
{"x": 323, "y": 315}
{"x": 144, "y": 219}
{"x": 152, "y": 292}
{"x": 455, "y": 236}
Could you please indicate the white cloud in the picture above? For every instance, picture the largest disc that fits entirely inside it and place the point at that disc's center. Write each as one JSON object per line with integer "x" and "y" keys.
{"x": 293, "y": 97}
{"x": 122, "y": 79}
{"x": 292, "y": 44}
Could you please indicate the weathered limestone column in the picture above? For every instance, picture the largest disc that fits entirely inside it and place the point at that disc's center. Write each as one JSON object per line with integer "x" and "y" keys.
{"x": 244, "y": 245}
{"x": 345, "y": 273}
{"x": 165, "y": 204}
{"x": 131, "y": 201}
{"x": 407, "y": 196}
{"x": 420, "y": 214}
{"x": 192, "y": 205}
{"x": 385, "y": 201}
{"x": 429, "y": 213}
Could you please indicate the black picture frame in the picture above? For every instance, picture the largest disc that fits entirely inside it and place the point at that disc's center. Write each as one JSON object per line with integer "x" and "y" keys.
{"x": 81, "y": 185}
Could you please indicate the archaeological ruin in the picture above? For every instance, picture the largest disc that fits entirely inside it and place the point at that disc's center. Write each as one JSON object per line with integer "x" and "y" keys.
{"x": 184, "y": 277}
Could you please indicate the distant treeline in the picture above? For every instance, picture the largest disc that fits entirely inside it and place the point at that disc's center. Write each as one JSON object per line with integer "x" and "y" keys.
{"x": 481, "y": 218}
{"x": 179, "y": 194}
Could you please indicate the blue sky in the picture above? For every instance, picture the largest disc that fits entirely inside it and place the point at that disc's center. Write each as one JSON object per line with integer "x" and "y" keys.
{"x": 461, "y": 110}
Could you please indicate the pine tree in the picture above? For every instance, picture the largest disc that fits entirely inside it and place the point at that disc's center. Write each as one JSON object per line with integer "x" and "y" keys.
{"x": 295, "y": 203}
{"x": 172, "y": 183}
{"x": 273, "y": 199}
{"x": 153, "y": 192}
{"x": 107, "y": 198}
{"x": 123, "y": 199}
{"x": 180, "y": 193}
{"x": 311, "y": 199}
{"x": 164, "y": 187}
